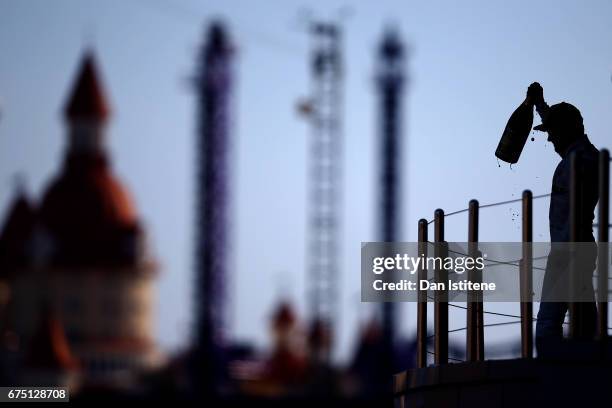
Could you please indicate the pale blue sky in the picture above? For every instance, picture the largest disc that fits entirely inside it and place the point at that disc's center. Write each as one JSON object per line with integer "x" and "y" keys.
{"x": 469, "y": 67}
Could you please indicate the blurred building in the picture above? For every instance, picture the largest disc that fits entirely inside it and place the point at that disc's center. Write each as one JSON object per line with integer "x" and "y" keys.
{"x": 213, "y": 199}
{"x": 76, "y": 279}
{"x": 325, "y": 186}
{"x": 390, "y": 82}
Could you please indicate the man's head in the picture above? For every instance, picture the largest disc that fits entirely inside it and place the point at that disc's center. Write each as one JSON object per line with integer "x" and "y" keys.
{"x": 563, "y": 124}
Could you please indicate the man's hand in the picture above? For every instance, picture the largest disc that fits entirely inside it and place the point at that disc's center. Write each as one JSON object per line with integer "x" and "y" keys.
{"x": 535, "y": 94}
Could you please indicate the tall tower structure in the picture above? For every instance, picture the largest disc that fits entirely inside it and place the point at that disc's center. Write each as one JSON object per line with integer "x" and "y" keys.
{"x": 213, "y": 85}
{"x": 325, "y": 181}
{"x": 390, "y": 81}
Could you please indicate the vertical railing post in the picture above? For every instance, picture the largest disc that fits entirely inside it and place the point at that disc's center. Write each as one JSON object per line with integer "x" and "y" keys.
{"x": 441, "y": 296}
{"x": 422, "y": 299}
{"x": 575, "y": 322}
{"x": 603, "y": 219}
{"x": 475, "y": 323}
{"x": 526, "y": 279}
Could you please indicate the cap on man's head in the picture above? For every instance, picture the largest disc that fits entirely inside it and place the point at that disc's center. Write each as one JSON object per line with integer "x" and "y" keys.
{"x": 562, "y": 115}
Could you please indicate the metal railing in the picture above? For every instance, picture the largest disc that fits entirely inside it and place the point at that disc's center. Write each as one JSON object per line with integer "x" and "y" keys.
{"x": 474, "y": 308}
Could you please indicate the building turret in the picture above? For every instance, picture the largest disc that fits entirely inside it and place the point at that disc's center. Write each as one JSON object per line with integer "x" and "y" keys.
{"x": 87, "y": 110}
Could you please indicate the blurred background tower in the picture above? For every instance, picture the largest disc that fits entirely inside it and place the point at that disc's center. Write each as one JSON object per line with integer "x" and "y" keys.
{"x": 77, "y": 274}
{"x": 390, "y": 81}
{"x": 213, "y": 84}
{"x": 325, "y": 185}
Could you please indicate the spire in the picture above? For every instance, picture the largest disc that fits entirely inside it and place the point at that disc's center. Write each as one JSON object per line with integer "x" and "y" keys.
{"x": 87, "y": 100}
{"x": 20, "y": 218}
{"x": 16, "y": 231}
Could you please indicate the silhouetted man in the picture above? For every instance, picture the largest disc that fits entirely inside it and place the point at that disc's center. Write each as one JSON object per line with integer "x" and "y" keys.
{"x": 565, "y": 128}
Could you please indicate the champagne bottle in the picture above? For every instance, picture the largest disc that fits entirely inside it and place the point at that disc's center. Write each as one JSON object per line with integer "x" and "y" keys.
{"x": 516, "y": 133}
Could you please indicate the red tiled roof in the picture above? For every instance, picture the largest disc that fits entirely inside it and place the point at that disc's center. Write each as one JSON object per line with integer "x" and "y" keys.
{"x": 89, "y": 214}
{"x": 87, "y": 195}
{"x": 286, "y": 366}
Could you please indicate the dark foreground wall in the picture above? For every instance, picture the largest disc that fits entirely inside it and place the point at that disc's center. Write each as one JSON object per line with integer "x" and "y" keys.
{"x": 570, "y": 380}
